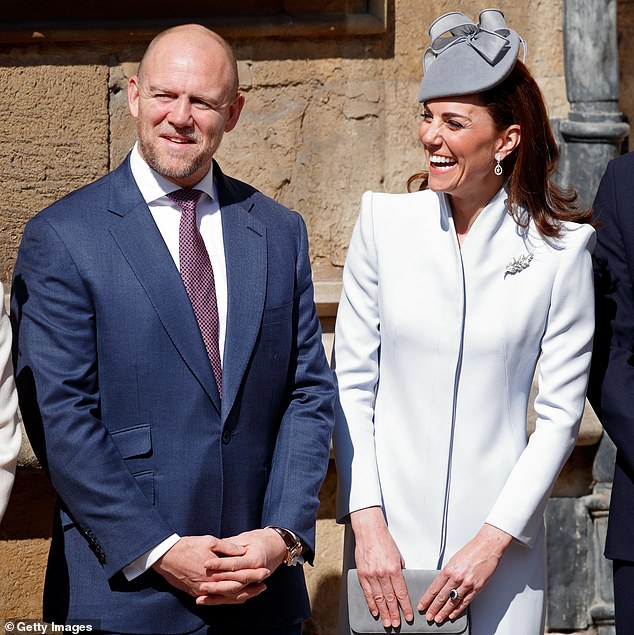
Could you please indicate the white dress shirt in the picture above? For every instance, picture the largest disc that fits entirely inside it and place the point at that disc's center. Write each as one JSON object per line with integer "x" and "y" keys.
{"x": 166, "y": 213}
{"x": 167, "y": 216}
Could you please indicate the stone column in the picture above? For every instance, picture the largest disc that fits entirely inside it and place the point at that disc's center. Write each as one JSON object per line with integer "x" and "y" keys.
{"x": 580, "y": 578}
{"x": 594, "y": 130}
{"x": 602, "y": 595}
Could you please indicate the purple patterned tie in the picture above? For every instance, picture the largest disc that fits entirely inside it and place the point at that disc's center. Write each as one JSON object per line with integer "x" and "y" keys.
{"x": 198, "y": 276}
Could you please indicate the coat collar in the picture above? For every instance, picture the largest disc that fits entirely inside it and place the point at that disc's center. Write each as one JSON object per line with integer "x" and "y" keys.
{"x": 245, "y": 242}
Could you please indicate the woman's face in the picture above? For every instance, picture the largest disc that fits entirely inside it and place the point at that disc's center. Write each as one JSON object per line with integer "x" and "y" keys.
{"x": 461, "y": 141}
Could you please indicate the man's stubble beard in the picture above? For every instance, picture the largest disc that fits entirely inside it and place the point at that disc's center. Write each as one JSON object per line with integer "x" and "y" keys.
{"x": 154, "y": 159}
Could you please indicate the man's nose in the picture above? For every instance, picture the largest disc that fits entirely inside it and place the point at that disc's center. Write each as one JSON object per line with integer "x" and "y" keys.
{"x": 181, "y": 112}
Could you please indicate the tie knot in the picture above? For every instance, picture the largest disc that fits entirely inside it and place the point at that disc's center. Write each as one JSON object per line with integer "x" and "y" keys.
{"x": 186, "y": 199}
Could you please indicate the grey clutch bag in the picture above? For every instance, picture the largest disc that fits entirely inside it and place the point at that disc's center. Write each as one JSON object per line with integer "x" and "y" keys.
{"x": 417, "y": 581}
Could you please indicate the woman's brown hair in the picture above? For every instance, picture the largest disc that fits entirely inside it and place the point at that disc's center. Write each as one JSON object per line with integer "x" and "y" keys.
{"x": 518, "y": 100}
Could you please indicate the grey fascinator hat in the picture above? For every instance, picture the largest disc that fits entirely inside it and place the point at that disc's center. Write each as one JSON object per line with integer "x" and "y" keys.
{"x": 466, "y": 58}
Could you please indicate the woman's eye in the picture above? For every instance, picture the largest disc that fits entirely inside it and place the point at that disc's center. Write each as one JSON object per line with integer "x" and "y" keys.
{"x": 454, "y": 125}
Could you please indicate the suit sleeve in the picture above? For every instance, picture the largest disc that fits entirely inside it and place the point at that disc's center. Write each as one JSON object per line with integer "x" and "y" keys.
{"x": 612, "y": 378}
{"x": 357, "y": 347}
{"x": 302, "y": 449}
{"x": 564, "y": 364}
{"x": 57, "y": 375}
{"x": 10, "y": 435}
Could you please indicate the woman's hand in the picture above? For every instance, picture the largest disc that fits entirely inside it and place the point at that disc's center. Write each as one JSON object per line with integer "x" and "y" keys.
{"x": 379, "y": 565}
{"x": 467, "y": 572}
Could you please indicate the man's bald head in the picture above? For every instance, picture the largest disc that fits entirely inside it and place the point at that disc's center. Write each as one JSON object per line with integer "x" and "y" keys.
{"x": 193, "y": 34}
{"x": 185, "y": 97}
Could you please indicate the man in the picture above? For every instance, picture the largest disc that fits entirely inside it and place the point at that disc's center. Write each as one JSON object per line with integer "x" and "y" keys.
{"x": 171, "y": 373}
{"x": 611, "y": 389}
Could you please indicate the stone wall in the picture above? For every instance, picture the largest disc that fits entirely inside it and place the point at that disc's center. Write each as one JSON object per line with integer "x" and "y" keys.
{"x": 325, "y": 119}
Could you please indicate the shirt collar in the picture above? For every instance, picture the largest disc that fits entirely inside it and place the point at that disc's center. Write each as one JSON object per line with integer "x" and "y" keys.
{"x": 154, "y": 186}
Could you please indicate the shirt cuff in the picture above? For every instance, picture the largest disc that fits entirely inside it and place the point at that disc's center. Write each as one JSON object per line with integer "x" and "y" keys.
{"x": 144, "y": 562}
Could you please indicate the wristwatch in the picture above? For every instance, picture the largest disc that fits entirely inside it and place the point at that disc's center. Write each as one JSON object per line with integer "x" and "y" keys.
{"x": 294, "y": 546}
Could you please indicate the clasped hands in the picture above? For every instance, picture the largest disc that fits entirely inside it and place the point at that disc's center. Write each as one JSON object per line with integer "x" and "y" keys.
{"x": 380, "y": 564}
{"x": 223, "y": 570}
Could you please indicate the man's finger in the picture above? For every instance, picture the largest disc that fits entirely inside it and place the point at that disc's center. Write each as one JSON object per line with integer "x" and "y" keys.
{"x": 246, "y": 594}
{"x": 243, "y": 576}
{"x": 230, "y": 564}
{"x": 228, "y": 547}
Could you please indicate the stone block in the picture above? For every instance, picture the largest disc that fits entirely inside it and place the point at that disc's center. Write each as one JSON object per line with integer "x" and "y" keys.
{"x": 569, "y": 540}
{"x": 324, "y": 578}
{"x": 54, "y": 136}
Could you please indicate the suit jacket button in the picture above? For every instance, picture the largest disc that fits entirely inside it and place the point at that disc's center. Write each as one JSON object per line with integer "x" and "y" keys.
{"x": 226, "y": 436}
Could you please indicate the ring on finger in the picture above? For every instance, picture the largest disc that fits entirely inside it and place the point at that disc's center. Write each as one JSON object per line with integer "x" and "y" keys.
{"x": 454, "y": 596}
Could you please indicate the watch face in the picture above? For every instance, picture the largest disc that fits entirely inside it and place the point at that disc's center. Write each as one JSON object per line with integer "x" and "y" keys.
{"x": 294, "y": 547}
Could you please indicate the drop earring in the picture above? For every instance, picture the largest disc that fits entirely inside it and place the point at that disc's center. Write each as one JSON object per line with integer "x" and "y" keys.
{"x": 498, "y": 166}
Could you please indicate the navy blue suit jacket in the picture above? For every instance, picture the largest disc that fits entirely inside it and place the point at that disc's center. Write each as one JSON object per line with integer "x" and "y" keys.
{"x": 121, "y": 406}
{"x": 611, "y": 389}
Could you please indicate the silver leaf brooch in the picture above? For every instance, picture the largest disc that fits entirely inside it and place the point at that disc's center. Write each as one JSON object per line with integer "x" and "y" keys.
{"x": 518, "y": 264}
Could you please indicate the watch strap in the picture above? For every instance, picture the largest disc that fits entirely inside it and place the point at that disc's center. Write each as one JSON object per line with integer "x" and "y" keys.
{"x": 294, "y": 546}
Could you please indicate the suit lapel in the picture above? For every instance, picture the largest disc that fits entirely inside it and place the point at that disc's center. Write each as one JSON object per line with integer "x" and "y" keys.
{"x": 246, "y": 260}
{"x": 143, "y": 247}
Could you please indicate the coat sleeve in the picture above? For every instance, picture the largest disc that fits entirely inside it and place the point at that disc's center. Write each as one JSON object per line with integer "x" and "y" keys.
{"x": 611, "y": 389}
{"x": 10, "y": 435}
{"x": 564, "y": 364}
{"x": 302, "y": 448}
{"x": 57, "y": 375}
{"x": 356, "y": 351}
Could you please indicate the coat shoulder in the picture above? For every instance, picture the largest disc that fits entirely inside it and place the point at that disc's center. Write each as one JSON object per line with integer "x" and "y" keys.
{"x": 75, "y": 201}
{"x": 386, "y": 208}
{"x": 574, "y": 239}
{"x": 623, "y": 163}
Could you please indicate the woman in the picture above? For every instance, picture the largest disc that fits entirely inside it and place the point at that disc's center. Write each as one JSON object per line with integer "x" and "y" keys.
{"x": 10, "y": 435}
{"x": 450, "y": 296}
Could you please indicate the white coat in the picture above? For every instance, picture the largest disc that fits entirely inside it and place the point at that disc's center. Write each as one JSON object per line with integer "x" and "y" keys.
{"x": 10, "y": 435}
{"x": 429, "y": 332}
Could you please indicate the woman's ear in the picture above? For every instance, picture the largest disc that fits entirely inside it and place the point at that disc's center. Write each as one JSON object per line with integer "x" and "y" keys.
{"x": 509, "y": 140}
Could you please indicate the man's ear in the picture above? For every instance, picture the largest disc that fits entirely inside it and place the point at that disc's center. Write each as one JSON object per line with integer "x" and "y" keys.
{"x": 133, "y": 96}
{"x": 234, "y": 112}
